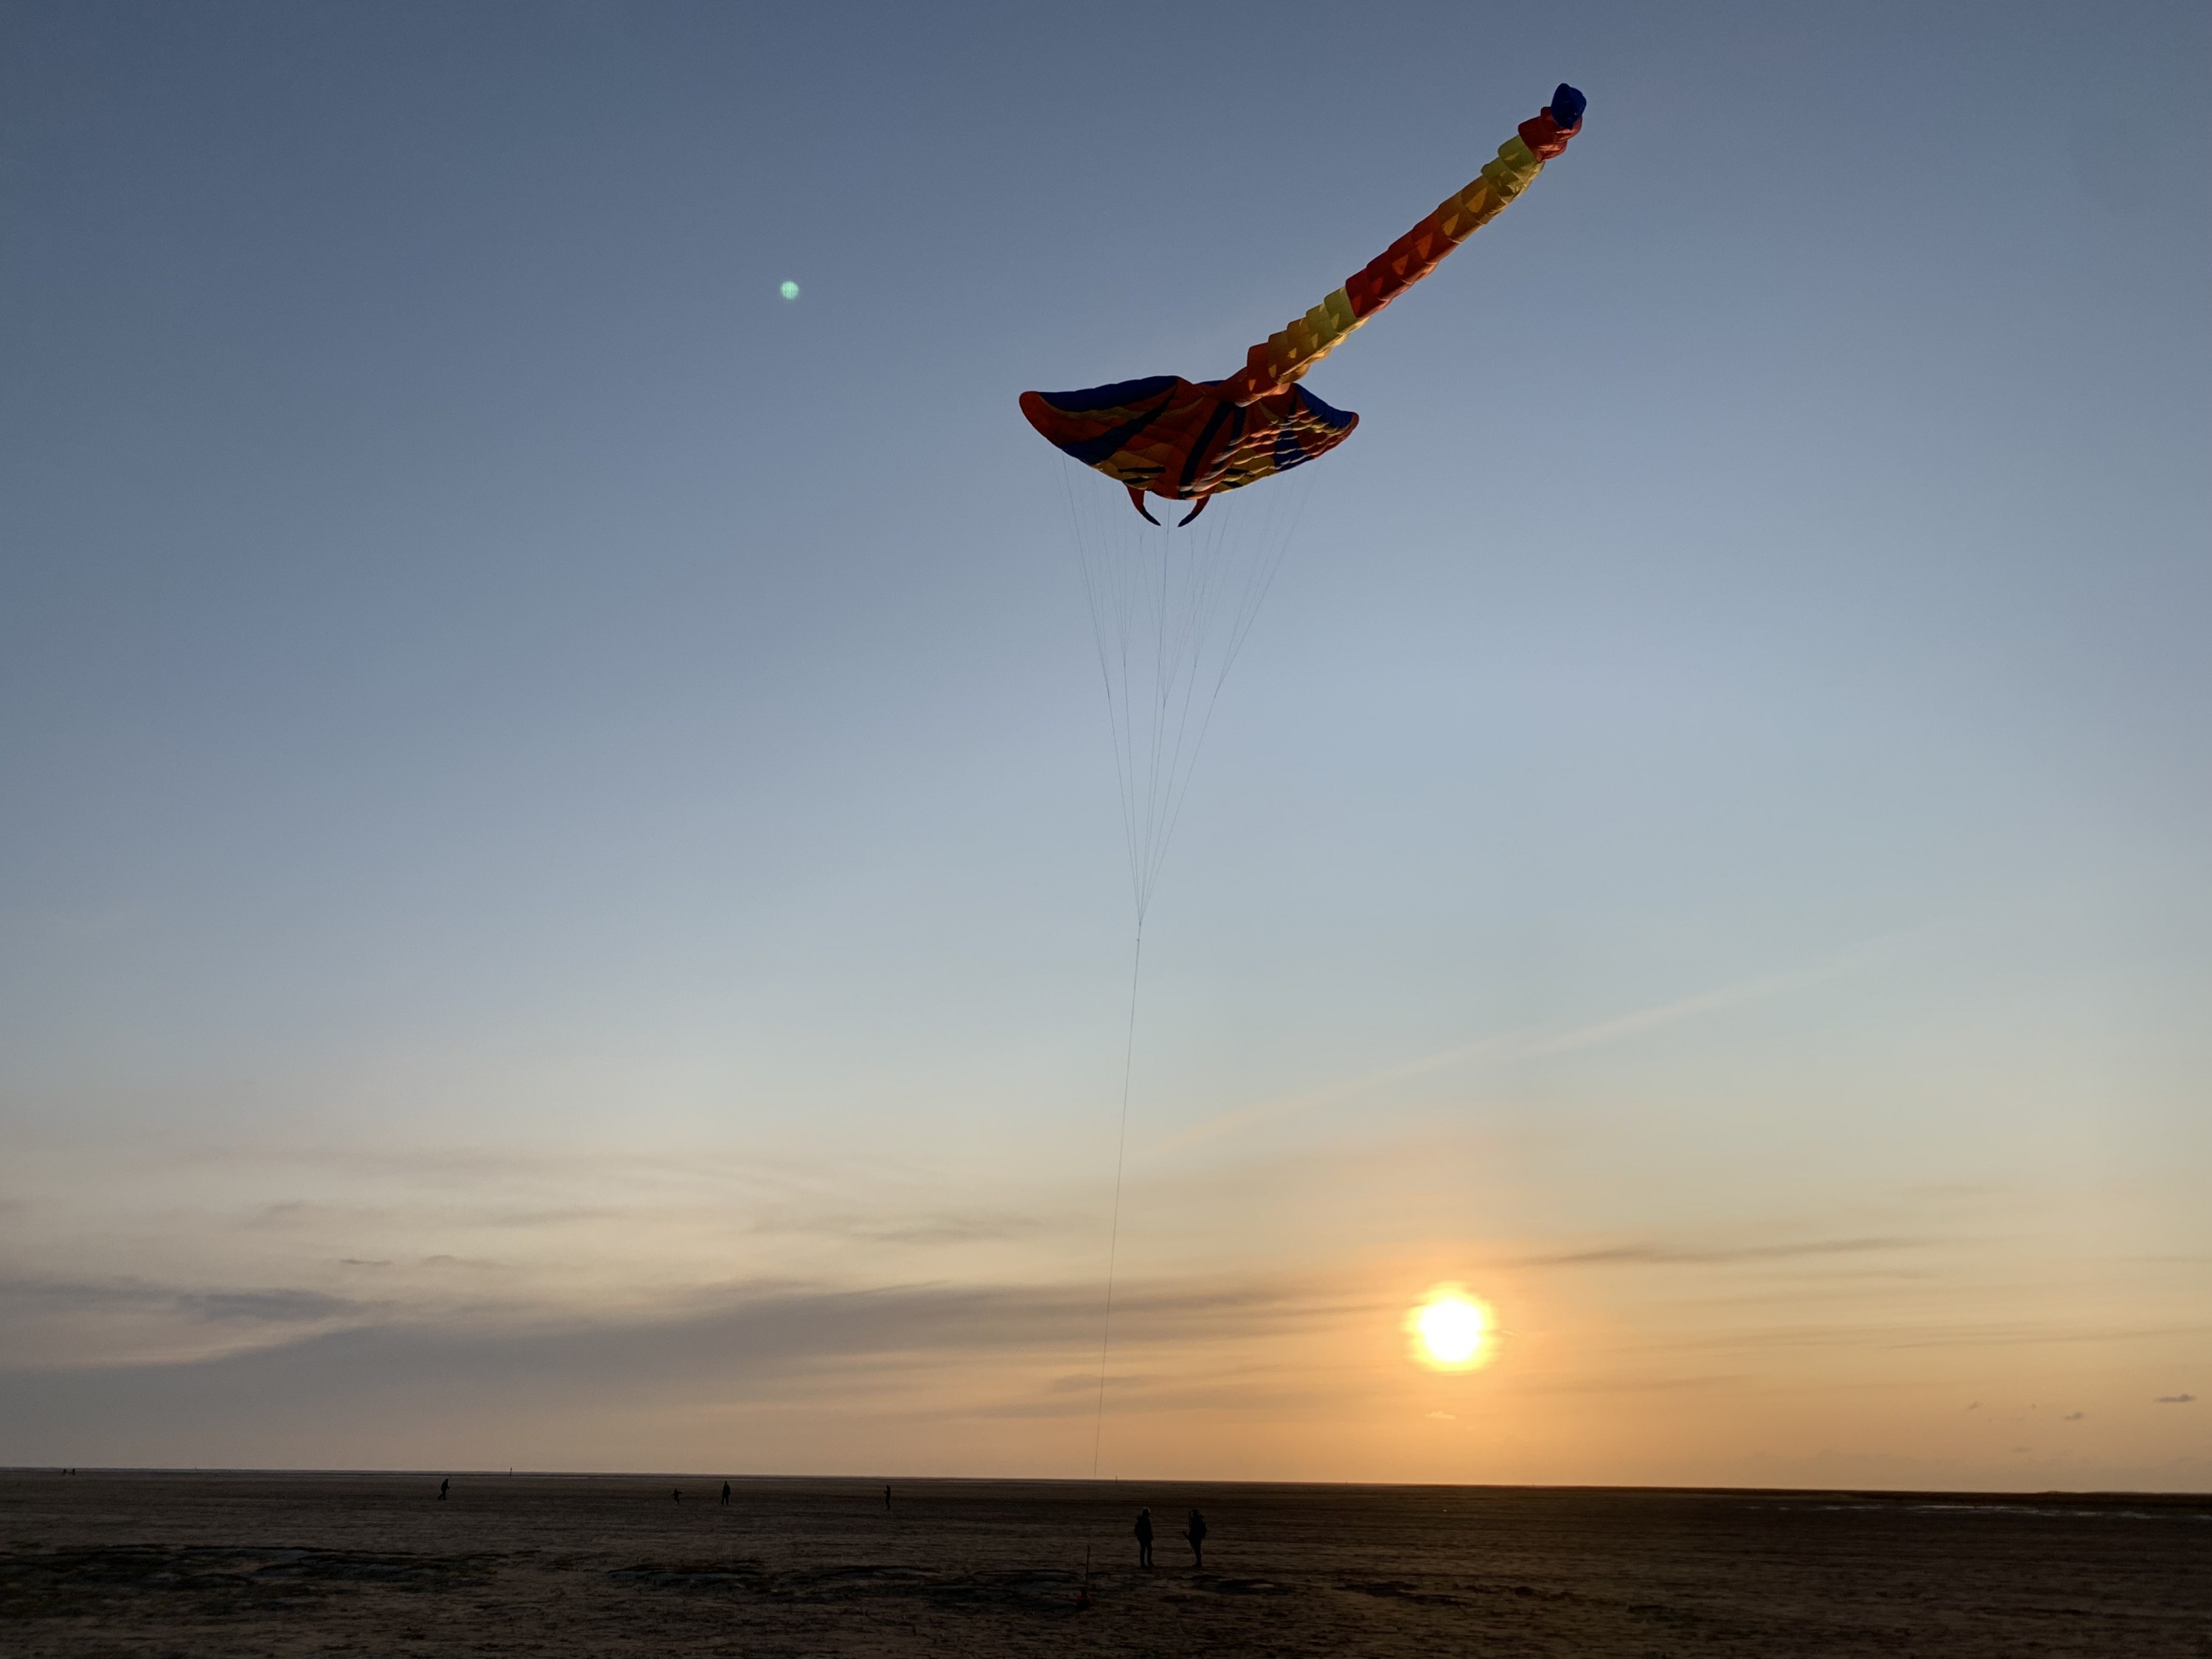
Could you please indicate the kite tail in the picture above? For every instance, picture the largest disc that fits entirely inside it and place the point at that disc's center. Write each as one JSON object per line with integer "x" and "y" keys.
{"x": 1284, "y": 358}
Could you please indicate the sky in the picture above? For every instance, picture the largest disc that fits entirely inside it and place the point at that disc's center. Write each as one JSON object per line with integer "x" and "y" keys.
{"x": 562, "y": 899}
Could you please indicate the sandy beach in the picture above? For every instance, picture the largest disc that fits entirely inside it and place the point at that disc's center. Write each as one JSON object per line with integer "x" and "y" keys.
{"x": 250, "y": 1563}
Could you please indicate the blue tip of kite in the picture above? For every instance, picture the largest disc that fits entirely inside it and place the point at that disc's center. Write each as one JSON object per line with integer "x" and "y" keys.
{"x": 1568, "y": 105}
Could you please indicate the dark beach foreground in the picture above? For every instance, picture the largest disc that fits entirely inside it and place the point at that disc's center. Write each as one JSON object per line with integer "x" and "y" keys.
{"x": 243, "y": 1563}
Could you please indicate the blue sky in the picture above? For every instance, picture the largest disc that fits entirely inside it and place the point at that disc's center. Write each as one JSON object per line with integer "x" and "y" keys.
{"x": 550, "y": 790}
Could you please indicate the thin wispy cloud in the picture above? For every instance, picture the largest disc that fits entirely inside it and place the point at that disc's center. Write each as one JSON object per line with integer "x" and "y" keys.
{"x": 956, "y": 1228}
{"x": 1632, "y": 1384}
{"x": 1661, "y": 1254}
{"x": 281, "y": 1305}
{"x": 1543, "y": 1045}
{"x": 758, "y": 1331}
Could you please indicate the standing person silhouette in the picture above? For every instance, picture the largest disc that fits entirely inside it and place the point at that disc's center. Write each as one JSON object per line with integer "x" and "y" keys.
{"x": 725, "y": 1494}
{"x": 677, "y": 1493}
{"x": 1144, "y": 1531}
{"x": 887, "y": 1499}
{"x": 1196, "y": 1533}
{"x": 442, "y": 1484}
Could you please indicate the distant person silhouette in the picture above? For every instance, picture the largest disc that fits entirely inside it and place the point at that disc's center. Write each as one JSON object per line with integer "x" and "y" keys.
{"x": 887, "y": 1498}
{"x": 1196, "y": 1533}
{"x": 1144, "y": 1531}
{"x": 442, "y": 1484}
{"x": 677, "y": 1493}
{"x": 725, "y": 1494}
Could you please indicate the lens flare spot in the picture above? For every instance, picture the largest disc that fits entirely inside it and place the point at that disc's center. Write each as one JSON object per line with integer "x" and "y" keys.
{"x": 1450, "y": 1330}
{"x": 789, "y": 290}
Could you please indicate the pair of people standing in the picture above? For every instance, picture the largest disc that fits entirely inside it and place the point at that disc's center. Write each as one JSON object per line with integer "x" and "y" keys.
{"x": 1194, "y": 1534}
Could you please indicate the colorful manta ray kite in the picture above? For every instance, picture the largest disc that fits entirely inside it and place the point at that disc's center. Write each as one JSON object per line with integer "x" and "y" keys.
{"x": 1189, "y": 442}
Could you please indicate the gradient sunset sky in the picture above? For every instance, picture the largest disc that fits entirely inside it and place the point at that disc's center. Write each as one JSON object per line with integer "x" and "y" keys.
{"x": 561, "y": 897}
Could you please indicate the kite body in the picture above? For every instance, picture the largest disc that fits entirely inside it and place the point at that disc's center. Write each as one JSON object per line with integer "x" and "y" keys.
{"x": 1171, "y": 437}
{"x": 1190, "y": 440}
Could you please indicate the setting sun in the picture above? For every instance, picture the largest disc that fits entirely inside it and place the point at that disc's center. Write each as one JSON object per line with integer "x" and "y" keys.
{"x": 1450, "y": 1329}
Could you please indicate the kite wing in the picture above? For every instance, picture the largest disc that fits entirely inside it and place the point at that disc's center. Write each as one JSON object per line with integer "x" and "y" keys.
{"x": 1189, "y": 441}
{"x": 1186, "y": 441}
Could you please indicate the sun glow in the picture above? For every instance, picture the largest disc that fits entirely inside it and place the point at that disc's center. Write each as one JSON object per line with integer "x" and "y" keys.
{"x": 1450, "y": 1330}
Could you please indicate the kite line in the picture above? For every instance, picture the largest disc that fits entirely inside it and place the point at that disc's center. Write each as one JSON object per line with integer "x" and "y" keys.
{"x": 1169, "y": 616}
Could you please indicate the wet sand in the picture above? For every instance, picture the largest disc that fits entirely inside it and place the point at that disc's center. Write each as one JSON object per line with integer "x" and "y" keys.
{"x": 241, "y": 1564}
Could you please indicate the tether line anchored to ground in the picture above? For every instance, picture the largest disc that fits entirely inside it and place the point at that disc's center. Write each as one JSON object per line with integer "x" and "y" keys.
{"x": 1169, "y": 612}
{"x": 1114, "y": 1228}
